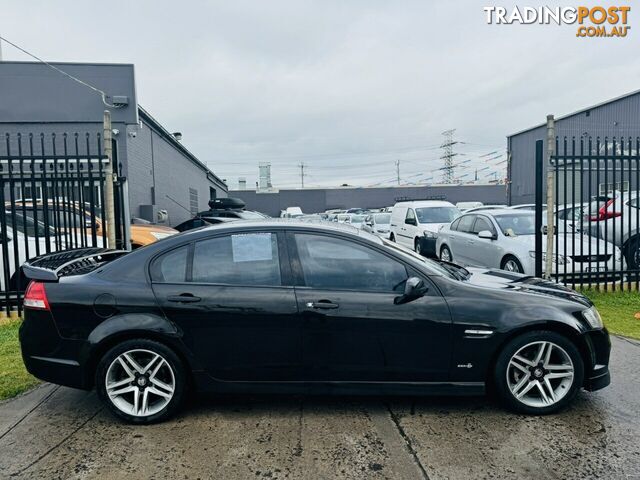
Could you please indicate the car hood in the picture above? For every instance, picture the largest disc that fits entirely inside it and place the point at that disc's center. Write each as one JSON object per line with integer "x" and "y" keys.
{"x": 432, "y": 227}
{"x": 519, "y": 284}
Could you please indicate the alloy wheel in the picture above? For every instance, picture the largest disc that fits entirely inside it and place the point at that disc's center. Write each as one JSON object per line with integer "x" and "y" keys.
{"x": 511, "y": 266}
{"x": 445, "y": 254}
{"x": 540, "y": 374}
{"x": 140, "y": 382}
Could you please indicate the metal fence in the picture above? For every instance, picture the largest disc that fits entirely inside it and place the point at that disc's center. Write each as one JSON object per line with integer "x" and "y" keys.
{"x": 596, "y": 212}
{"x": 52, "y": 190}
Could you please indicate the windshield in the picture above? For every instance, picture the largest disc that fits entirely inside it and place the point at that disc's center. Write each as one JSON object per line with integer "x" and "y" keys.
{"x": 511, "y": 225}
{"x": 30, "y": 227}
{"x": 437, "y": 214}
{"x": 382, "y": 218}
{"x": 432, "y": 265}
{"x": 357, "y": 218}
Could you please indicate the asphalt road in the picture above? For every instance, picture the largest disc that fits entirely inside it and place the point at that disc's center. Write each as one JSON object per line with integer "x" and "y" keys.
{"x": 54, "y": 432}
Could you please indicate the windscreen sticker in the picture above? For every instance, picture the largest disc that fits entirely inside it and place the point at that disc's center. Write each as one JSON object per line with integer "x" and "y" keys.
{"x": 251, "y": 247}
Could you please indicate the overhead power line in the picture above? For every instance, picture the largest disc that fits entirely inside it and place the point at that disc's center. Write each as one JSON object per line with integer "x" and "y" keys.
{"x": 102, "y": 93}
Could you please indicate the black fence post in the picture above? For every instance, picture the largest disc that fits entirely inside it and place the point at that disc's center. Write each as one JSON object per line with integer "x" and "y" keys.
{"x": 539, "y": 202}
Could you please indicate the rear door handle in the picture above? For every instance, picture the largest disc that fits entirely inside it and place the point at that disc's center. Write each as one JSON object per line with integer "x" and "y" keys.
{"x": 183, "y": 298}
{"x": 323, "y": 305}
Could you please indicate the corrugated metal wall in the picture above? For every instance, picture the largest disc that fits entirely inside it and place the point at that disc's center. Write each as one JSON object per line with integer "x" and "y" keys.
{"x": 618, "y": 118}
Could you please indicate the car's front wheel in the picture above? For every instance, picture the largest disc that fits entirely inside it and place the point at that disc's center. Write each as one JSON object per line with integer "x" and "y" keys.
{"x": 511, "y": 264}
{"x": 141, "y": 381}
{"x": 538, "y": 372}
{"x": 417, "y": 246}
{"x": 445, "y": 254}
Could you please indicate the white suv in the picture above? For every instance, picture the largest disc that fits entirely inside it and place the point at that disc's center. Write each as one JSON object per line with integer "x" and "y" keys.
{"x": 415, "y": 224}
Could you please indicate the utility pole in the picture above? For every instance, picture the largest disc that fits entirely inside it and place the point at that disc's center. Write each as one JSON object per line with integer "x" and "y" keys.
{"x": 398, "y": 170}
{"x": 551, "y": 150}
{"x": 108, "y": 182}
{"x": 0, "y": 49}
{"x": 301, "y": 175}
{"x": 447, "y": 155}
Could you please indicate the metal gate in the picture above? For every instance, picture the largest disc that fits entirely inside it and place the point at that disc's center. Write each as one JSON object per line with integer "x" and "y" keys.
{"x": 52, "y": 189}
{"x": 596, "y": 212}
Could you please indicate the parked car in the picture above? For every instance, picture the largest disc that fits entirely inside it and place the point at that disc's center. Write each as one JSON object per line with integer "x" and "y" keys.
{"x": 68, "y": 216}
{"x": 378, "y": 224}
{"x": 198, "y": 222}
{"x": 28, "y": 240}
{"x": 357, "y": 210}
{"x": 464, "y": 206}
{"x": 505, "y": 239}
{"x": 291, "y": 212}
{"x": 343, "y": 218}
{"x": 415, "y": 224}
{"x": 230, "y": 308}
{"x": 229, "y": 208}
{"x": 616, "y": 219}
{"x": 355, "y": 220}
{"x": 486, "y": 207}
{"x": 527, "y": 206}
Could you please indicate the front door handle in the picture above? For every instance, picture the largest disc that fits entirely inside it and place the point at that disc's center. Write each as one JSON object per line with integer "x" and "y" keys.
{"x": 323, "y": 305}
{"x": 183, "y": 298}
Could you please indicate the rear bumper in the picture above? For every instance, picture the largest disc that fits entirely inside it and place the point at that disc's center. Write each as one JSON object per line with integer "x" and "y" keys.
{"x": 48, "y": 356}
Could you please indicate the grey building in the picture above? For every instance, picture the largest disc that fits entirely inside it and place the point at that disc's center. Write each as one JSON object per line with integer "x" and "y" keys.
{"x": 161, "y": 173}
{"x": 617, "y": 118}
{"x": 314, "y": 200}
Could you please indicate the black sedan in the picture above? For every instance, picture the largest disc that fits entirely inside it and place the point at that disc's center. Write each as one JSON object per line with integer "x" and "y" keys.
{"x": 285, "y": 306}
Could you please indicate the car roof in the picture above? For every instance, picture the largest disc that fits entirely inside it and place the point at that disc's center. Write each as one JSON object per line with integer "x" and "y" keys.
{"x": 281, "y": 224}
{"x": 424, "y": 203}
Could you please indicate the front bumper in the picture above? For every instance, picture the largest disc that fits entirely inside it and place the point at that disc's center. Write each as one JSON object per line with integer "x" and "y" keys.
{"x": 428, "y": 246}
{"x": 597, "y": 375}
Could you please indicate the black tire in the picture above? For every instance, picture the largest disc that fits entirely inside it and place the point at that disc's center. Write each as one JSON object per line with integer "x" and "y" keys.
{"x": 632, "y": 253}
{"x": 392, "y": 237}
{"x": 500, "y": 384}
{"x": 416, "y": 246}
{"x": 516, "y": 262}
{"x": 444, "y": 247}
{"x": 174, "y": 362}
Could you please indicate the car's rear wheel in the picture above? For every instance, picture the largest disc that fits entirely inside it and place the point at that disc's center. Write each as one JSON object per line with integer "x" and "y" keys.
{"x": 511, "y": 264}
{"x": 632, "y": 250}
{"x": 538, "y": 372}
{"x": 445, "y": 254}
{"x": 141, "y": 381}
{"x": 392, "y": 237}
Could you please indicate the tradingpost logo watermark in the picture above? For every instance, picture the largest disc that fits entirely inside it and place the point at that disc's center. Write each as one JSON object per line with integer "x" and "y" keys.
{"x": 598, "y": 21}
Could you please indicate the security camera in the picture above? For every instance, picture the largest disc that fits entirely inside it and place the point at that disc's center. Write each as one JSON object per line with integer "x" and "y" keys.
{"x": 133, "y": 134}
{"x": 115, "y": 131}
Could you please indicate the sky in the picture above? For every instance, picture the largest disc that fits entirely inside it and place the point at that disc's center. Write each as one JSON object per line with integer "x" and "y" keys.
{"x": 346, "y": 87}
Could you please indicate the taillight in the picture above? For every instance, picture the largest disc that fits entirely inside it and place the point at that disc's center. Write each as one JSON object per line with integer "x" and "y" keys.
{"x": 36, "y": 296}
{"x": 604, "y": 214}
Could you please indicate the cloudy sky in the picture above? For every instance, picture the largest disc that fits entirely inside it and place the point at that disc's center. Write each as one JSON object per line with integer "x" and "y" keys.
{"x": 346, "y": 87}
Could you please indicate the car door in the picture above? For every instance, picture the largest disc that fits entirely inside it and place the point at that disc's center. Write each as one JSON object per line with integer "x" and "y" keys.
{"x": 231, "y": 295}
{"x": 483, "y": 251}
{"x": 352, "y": 329}
{"x": 461, "y": 240}
{"x": 409, "y": 228}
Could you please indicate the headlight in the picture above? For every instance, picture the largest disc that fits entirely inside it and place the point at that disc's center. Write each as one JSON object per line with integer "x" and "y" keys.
{"x": 161, "y": 235}
{"x": 592, "y": 317}
{"x": 559, "y": 259}
{"x": 428, "y": 234}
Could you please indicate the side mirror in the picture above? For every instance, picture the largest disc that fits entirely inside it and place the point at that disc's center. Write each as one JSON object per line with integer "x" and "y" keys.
{"x": 411, "y": 221}
{"x": 486, "y": 234}
{"x": 413, "y": 288}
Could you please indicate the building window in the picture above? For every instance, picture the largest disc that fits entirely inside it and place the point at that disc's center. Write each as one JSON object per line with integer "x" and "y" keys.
{"x": 193, "y": 201}
{"x": 212, "y": 193}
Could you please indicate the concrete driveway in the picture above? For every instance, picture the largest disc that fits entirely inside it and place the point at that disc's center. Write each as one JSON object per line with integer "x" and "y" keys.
{"x": 54, "y": 432}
